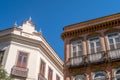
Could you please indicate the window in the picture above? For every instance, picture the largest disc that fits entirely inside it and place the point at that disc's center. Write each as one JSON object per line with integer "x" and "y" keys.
{"x": 100, "y": 75}
{"x": 114, "y": 40}
{"x": 117, "y": 74}
{"x": 22, "y": 59}
{"x": 79, "y": 77}
{"x": 57, "y": 77}
{"x": 1, "y": 56}
{"x": 42, "y": 68}
{"x": 76, "y": 48}
{"x": 94, "y": 45}
{"x": 50, "y": 74}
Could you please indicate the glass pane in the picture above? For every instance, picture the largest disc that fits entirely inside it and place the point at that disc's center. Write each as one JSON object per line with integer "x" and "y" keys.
{"x": 111, "y": 41}
{"x": 113, "y": 34}
{"x": 24, "y": 59}
{"x": 99, "y": 75}
{"x": 117, "y": 40}
{"x": 118, "y": 79}
{"x": 98, "y": 44}
{"x": 79, "y": 47}
{"x": 80, "y": 77}
{"x": 93, "y": 39}
{"x": 74, "y": 49}
{"x": 92, "y": 45}
{"x": 20, "y": 59}
{"x": 1, "y": 56}
{"x": 118, "y": 72}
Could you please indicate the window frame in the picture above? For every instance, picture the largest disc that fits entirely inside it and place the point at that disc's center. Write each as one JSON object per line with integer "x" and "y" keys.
{"x": 75, "y": 43}
{"x": 2, "y": 53}
{"x": 94, "y": 42}
{"x": 113, "y": 38}
{"x": 50, "y": 75}
{"x": 94, "y": 74}
{"x": 79, "y": 76}
{"x": 57, "y": 77}
{"x": 116, "y": 72}
{"x": 21, "y": 64}
{"x": 42, "y": 68}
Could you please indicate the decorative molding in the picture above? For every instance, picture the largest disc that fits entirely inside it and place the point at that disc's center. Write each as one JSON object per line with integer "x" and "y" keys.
{"x": 89, "y": 29}
{"x": 112, "y": 30}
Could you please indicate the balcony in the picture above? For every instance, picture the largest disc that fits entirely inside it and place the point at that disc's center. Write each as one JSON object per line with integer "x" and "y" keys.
{"x": 96, "y": 58}
{"x": 114, "y": 55}
{"x": 21, "y": 72}
{"x": 76, "y": 61}
{"x": 40, "y": 77}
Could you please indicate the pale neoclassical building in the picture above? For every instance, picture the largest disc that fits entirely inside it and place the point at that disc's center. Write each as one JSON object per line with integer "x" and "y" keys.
{"x": 26, "y": 55}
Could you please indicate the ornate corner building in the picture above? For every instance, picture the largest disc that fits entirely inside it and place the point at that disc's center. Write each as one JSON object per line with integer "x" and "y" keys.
{"x": 92, "y": 49}
{"x": 26, "y": 55}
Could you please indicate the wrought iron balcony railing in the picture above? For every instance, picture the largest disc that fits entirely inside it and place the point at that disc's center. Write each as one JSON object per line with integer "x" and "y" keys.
{"x": 76, "y": 61}
{"x": 114, "y": 55}
{"x": 17, "y": 71}
{"x": 40, "y": 77}
{"x": 96, "y": 57}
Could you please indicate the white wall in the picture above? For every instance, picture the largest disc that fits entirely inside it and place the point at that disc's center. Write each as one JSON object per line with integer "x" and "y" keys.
{"x": 35, "y": 56}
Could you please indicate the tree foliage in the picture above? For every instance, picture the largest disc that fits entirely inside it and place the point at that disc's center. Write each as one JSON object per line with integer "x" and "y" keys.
{"x": 4, "y": 75}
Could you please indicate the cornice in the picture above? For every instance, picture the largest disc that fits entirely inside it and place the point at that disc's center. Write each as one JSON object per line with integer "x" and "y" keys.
{"x": 32, "y": 42}
{"x": 89, "y": 29}
{"x": 92, "y": 21}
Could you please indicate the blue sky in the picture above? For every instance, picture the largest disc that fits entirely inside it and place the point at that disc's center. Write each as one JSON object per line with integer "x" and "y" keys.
{"x": 52, "y": 15}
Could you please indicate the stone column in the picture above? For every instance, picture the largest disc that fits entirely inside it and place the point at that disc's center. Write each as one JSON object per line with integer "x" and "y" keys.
{"x": 84, "y": 42}
{"x": 103, "y": 44}
{"x": 67, "y": 49}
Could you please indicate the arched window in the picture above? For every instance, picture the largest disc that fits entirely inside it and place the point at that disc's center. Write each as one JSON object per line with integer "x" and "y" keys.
{"x": 117, "y": 74}
{"x": 79, "y": 77}
{"x": 101, "y": 75}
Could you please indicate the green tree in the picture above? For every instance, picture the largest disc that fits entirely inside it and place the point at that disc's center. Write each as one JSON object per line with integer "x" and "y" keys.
{"x": 4, "y": 75}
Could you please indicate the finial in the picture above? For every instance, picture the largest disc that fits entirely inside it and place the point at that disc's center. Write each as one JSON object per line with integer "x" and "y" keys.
{"x": 15, "y": 24}
{"x": 40, "y": 31}
{"x": 30, "y": 19}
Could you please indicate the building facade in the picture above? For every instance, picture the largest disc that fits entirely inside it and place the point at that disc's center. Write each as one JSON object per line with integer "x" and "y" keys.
{"x": 26, "y": 55}
{"x": 92, "y": 49}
